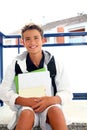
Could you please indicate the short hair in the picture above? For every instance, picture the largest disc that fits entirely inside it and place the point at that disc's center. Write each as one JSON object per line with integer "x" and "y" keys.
{"x": 32, "y": 26}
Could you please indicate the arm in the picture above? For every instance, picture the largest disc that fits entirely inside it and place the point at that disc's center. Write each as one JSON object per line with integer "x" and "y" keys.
{"x": 63, "y": 85}
{"x": 7, "y": 88}
{"x": 25, "y": 101}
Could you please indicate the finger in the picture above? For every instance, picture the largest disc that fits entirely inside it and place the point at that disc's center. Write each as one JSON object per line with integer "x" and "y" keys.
{"x": 38, "y": 110}
{"x": 36, "y": 105}
{"x": 37, "y": 99}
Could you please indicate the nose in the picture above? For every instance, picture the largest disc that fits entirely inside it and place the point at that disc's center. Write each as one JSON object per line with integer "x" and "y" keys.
{"x": 32, "y": 41}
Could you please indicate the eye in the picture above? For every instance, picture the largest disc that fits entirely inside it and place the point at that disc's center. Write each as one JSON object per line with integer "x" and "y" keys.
{"x": 36, "y": 37}
{"x": 27, "y": 39}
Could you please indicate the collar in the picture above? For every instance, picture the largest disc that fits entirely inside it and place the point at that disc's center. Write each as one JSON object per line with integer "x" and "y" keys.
{"x": 30, "y": 66}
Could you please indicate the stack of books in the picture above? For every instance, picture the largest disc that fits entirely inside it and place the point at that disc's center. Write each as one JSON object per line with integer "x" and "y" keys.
{"x": 33, "y": 84}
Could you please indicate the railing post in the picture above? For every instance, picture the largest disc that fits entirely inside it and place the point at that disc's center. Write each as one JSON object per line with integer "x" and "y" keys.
{"x": 1, "y": 62}
{"x": 1, "y": 57}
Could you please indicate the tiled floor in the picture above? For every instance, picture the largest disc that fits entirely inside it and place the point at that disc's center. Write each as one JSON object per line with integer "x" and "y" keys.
{"x": 76, "y": 112}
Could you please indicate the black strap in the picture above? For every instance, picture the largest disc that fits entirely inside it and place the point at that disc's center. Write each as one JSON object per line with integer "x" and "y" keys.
{"x": 17, "y": 69}
{"x": 52, "y": 68}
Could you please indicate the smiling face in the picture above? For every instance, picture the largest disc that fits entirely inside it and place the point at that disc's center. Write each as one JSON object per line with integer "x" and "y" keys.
{"x": 33, "y": 41}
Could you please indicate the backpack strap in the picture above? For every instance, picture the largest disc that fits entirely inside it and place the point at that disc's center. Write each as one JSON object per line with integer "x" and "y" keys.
{"x": 17, "y": 69}
{"x": 52, "y": 68}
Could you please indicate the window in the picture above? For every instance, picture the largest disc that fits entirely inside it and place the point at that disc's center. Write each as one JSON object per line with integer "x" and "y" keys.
{"x": 77, "y": 39}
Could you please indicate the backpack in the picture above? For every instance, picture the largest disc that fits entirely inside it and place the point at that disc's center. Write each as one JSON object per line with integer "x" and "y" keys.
{"x": 51, "y": 66}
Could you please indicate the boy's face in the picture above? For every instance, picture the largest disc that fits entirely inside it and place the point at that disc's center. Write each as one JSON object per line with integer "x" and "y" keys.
{"x": 32, "y": 40}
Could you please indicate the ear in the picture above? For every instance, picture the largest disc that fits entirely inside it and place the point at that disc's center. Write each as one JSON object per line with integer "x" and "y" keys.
{"x": 22, "y": 41}
{"x": 44, "y": 40}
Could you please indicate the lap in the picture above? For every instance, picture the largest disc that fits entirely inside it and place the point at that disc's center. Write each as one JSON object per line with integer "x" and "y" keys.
{"x": 40, "y": 119}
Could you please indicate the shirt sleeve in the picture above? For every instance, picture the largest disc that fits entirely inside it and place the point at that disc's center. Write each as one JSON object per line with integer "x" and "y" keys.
{"x": 7, "y": 87}
{"x": 63, "y": 84}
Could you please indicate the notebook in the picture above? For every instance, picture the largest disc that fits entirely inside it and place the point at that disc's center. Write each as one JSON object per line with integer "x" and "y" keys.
{"x": 34, "y": 84}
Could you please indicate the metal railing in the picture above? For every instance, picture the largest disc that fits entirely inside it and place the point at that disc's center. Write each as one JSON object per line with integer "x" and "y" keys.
{"x": 76, "y": 96}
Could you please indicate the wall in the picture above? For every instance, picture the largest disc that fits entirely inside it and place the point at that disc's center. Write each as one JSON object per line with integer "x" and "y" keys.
{"x": 74, "y": 59}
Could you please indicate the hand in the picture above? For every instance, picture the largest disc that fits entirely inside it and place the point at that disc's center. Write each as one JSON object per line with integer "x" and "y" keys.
{"x": 31, "y": 101}
{"x": 43, "y": 102}
{"x": 25, "y": 101}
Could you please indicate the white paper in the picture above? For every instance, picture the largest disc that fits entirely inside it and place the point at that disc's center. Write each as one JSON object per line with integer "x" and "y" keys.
{"x": 34, "y": 84}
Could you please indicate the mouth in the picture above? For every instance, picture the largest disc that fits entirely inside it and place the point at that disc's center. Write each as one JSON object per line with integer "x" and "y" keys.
{"x": 33, "y": 47}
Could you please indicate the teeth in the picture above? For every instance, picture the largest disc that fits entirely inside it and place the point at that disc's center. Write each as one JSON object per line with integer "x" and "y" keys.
{"x": 33, "y": 47}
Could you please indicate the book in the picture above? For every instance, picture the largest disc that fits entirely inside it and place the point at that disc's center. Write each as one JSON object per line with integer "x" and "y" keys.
{"x": 16, "y": 78}
{"x": 34, "y": 84}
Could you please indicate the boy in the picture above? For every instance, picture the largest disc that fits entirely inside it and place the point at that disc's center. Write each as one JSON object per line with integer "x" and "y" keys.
{"x": 45, "y": 111}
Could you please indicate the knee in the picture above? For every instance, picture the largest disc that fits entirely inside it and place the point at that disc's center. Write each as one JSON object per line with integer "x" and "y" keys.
{"x": 25, "y": 120}
{"x": 27, "y": 113}
{"x": 54, "y": 111}
{"x": 56, "y": 118}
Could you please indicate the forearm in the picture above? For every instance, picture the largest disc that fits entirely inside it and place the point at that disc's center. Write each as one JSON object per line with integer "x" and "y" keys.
{"x": 55, "y": 100}
{"x": 25, "y": 101}
{"x": 21, "y": 101}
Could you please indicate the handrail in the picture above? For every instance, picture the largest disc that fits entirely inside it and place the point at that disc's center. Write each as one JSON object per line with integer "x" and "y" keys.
{"x": 50, "y": 34}
{"x": 66, "y": 34}
{"x": 77, "y": 96}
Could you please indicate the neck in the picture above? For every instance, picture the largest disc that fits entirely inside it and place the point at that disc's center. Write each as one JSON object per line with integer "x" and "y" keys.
{"x": 36, "y": 58}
